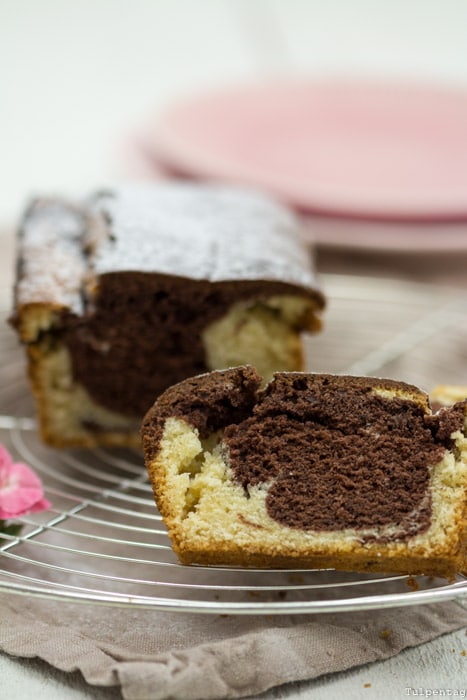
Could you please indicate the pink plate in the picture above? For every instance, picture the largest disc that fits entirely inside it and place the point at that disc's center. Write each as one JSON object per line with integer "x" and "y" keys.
{"x": 420, "y": 237}
{"x": 353, "y": 149}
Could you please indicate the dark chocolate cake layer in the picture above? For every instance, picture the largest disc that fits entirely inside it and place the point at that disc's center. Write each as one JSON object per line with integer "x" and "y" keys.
{"x": 162, "y": 319}
{"x": 338, "y": 454}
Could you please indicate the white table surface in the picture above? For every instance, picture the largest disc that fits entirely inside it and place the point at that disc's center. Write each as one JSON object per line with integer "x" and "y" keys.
{"x": 78, "y": 78}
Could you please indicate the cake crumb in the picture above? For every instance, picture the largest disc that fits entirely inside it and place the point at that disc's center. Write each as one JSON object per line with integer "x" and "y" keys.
{"x": 412, "y": 583}
{"x": 367, "y": 685}
{"x": 463, "y": 652}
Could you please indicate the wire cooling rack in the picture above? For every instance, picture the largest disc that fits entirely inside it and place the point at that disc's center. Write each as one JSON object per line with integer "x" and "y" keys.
{"x": 103, "y": 540}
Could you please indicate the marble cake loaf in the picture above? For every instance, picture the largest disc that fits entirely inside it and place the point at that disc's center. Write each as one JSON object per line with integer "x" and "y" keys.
{"x": 132, "y": 290}
{"x": 313, "y": 470}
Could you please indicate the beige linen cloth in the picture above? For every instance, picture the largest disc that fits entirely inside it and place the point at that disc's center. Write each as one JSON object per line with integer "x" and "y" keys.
{"x": 160, "y": 655}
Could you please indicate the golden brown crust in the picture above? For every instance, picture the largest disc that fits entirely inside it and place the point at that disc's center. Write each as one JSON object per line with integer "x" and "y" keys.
{"x": 444, "y": 567}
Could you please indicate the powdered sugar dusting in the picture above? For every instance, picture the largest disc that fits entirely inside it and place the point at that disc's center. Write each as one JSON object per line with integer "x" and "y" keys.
{"x": 213, "y": 233}
{"x": 201, "y": 232}
{"x": 52, "y": 263}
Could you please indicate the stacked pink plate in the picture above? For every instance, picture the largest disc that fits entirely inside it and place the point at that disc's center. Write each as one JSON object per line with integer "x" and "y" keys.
{"x": 368, "y": 165}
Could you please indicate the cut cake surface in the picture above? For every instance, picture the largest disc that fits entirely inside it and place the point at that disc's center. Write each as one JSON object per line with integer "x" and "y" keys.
{"x": 315, "y": 471}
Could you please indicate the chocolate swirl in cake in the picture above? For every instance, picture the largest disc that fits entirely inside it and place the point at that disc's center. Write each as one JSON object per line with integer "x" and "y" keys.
{"x": 336, "y": 452}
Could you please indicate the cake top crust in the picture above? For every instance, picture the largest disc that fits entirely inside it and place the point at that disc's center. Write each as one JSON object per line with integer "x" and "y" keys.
{"x": 199, "y": 232}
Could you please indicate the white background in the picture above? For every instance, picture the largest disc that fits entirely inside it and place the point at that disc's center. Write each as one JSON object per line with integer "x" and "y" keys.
{"x": 79, "y": 77}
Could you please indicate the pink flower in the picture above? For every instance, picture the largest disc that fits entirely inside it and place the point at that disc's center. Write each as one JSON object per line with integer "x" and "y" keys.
{"x": 20, "y": 489}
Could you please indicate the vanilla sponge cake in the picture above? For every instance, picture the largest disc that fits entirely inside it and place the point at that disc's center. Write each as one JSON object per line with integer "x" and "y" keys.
{"x": 447, "y": 394}
{"x": 123, "y": 294}
{"x": 313, "y": 470}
